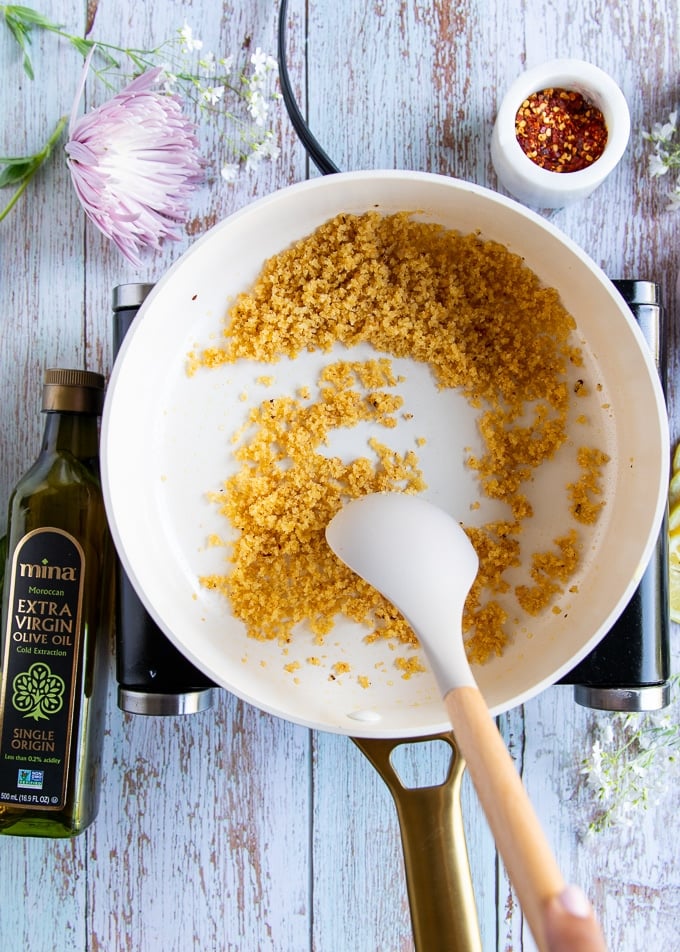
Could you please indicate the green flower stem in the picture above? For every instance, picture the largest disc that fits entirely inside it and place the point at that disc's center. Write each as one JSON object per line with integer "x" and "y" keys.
{"x": 22, "y": 170}
{"x": 21, "y": 21}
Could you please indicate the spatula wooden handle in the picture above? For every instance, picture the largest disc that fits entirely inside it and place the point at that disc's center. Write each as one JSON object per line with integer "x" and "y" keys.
{"x": 527, "y": 856}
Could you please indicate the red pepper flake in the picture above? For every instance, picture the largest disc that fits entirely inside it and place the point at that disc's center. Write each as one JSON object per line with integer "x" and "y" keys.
{"x": 560, "y": 130}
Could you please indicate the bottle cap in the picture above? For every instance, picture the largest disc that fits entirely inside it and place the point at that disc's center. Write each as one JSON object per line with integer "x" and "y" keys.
{"x": 73, "y": 391}
{"x": 130, "y": 295}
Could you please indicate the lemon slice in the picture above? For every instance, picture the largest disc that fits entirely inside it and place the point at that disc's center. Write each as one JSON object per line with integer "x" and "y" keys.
{"x": 674, "y": 491}
{"x": 674, "y": 522}
{"x": 674, "y": 593}
{"x": 674, "y": 568}
{"x": 674, "y": 538}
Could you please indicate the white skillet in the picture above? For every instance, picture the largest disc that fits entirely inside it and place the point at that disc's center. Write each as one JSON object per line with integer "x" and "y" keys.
{"x": 166, "y": 445}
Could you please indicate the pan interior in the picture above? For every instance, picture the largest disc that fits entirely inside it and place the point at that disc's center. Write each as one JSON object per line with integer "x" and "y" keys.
{"x": 166, "y": 445}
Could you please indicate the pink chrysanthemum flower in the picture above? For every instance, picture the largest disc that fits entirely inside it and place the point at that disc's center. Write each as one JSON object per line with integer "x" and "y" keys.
{"x": 134, "y": 163}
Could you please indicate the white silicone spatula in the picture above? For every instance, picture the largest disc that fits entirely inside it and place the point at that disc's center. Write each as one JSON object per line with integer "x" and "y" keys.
{"x": 421, "y": 560}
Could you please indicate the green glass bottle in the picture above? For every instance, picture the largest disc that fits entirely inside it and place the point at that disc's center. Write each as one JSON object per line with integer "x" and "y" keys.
{"x": 57, "y": 611}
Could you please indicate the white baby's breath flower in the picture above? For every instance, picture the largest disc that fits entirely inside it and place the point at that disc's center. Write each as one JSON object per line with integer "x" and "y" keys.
{"x": 189, "y": 42}
{"x": 663, "y": 131}
{"x": 647, "y": 740}
{"x": 226, "y": 62}
{"x": 596, "y": 756}
{"x": 253, "y": 160}
{"x": 665, "y": 154}
{"x": 657, "y": 166}
{"x": 269, "y": 148}
{"x": 168, "y": 78}
{"x": 229, "y": 171}
{"x": 208, "y": 64}
{"x": 259, "y": 60}
{"x": 258, "y": 107}
{"x": 212, "y": 94}
{"x": 266, "y": 149}
{"x": 263, "y": 66}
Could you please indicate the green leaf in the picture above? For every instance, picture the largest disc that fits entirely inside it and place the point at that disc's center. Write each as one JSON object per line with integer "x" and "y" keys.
{"x": 20, "y": 21}
{"x": 28, "y": 66}
{"x": 29, "y": 17}
{"x": 15, "y": 171}
{"x": 23, "y": 39}
{"x": 20, "y": 171}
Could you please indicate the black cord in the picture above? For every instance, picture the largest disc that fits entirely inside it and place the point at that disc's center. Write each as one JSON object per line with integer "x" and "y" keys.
{"x": 314, "y": 150}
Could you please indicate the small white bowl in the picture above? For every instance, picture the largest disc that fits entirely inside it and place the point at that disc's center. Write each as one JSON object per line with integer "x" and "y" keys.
{"x": 540, "y": 187}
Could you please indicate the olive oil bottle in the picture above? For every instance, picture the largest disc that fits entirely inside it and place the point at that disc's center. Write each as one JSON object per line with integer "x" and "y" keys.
{"x": 56, "y": 611}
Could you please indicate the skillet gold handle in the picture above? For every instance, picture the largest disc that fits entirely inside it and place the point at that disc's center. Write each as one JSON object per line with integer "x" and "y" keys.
{"x": 441, "y": 899}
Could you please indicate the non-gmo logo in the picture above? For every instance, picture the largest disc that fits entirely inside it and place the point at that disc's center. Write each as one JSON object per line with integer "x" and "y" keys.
{"x": 30, "y": 779}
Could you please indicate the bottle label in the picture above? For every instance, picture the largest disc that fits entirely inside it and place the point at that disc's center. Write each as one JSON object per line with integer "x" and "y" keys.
{"x": 39, "y": 669}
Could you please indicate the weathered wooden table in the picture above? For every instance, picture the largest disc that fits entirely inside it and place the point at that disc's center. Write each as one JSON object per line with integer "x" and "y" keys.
{"x": 231, "y": 829}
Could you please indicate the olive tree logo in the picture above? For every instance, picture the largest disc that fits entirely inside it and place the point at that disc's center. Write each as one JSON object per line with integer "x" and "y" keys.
{"x": 38, "y": 693}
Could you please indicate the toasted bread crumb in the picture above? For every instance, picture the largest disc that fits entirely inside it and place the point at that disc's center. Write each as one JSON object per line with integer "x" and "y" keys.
{"x": 483, "y": 323}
